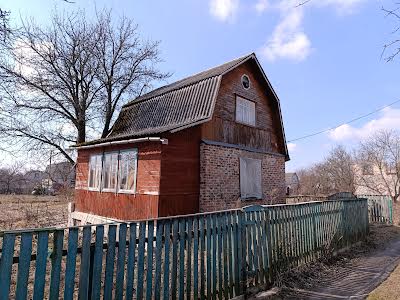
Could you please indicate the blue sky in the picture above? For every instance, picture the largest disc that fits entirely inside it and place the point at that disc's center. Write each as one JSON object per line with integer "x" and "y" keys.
{"x": 323, "y": 59}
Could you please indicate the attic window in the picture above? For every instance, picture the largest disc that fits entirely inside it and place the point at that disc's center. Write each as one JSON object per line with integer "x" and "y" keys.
{"x": 246, "y": 82}
{"x": 245, "y": 111}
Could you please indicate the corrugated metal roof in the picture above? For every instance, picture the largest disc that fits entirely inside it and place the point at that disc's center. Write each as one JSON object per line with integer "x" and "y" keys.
{"x": 167, "y": 111}
{"x": 184, "y": 103}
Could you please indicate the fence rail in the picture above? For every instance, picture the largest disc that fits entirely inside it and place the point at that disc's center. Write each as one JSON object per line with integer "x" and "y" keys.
{"x": 215, "y": 255}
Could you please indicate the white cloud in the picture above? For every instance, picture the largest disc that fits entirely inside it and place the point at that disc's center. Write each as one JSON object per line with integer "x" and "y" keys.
{"x": 261, "y": 6}
{"x": 288, "y": 39}
{"x": 388, "y": 119}
{"x": 224, "y": 10}
{"x": 291, "y": 147}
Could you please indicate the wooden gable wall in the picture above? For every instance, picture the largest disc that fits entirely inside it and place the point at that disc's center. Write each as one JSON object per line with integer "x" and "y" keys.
{"x": 265, "y": 136}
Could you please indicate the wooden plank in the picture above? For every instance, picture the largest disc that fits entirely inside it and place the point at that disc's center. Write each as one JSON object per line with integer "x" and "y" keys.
{"x": 182, "y": 242}
{"x": 189, "y": 258}
{"x": 110, "y": 256}
{"x": 69, "y": 285}
{"x": 119, "y": 280}
{"x": 97, "y": 263}
{"x": 56, "y": 257}
{"x": 219, "y": 256}
{"x": 209, "y": 257}
{"x": 130, "y": 269}
{"x": 23, "y": 265}
{"x": 7, "y": 253}
{"x": 196, "y": 258}
{"x": 175, "y": 234}
{"x": 202, "y": 226}
{"x": 214, "y": 256}
{"x": 236, "y": 256}
{"x": 140, "y": 267}
{"x": 85, "y": 263}
{"x": 231, "y": 252}
{"x": 158, "y": 255}
{"x": 225, "y": 246}
{"x": 149, "y": 276}
{"x": 166, "y": 258}
{"x": 40, "y": 266}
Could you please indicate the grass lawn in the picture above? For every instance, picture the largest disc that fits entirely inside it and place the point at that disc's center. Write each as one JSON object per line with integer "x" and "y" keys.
{"x": 389, "y": 289}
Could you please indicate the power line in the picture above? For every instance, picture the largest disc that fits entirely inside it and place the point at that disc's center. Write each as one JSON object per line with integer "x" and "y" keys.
{"x": 345, "y": 123}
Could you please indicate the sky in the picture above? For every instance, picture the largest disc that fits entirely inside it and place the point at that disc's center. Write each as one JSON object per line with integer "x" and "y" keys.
{"x": 324, "y": 58}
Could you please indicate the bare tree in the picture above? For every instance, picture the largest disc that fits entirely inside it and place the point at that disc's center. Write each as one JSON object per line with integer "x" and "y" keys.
{"x": 334, "y": 174}
{"x": 378, "y": 164}
{"x": 11, "y": 179}
{"x": 64, "y": 83}
{"x": 393, "y": 47}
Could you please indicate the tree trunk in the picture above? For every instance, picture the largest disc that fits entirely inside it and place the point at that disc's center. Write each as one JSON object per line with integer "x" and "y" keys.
{"x": 81, "y": 131}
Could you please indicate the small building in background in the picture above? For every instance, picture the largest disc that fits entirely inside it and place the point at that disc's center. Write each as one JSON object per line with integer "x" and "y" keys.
{"x": 209, "y": 142}
{"x": 292, "y": 184}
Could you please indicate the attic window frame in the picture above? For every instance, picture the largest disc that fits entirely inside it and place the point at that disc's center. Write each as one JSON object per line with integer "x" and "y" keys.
{"x": 242, "y": 80}
{"x": 237, "y": 97}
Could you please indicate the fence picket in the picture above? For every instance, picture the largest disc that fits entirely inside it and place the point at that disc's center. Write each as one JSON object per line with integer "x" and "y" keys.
{"x": 97, "y": 263}
{"x": 40, "y": 267}
{"x": 71, "y": 263}
{"x": 149, "y": 276}
{"x": 56, "y": 257}
{"x": 85, "y": 264}
{"x": 23, "y": 266}
{"x": 110, "y": 256}
{"x": 130, "y": 270}
{"x": 6, "y": 264}
{"x": 119, "y": 280}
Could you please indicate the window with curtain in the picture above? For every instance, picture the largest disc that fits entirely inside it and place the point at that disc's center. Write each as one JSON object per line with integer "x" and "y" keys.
{"x": 245, "y": 111}
{"x": 113, "y": 171}
{"x": 95, "y": 164}
{"x": 127, "y": 170}
{"x": 110, "y": 171}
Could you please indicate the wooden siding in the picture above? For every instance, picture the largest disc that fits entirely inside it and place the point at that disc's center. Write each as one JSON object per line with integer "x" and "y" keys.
{"x": 180, "y": 173}
{"x": 223, "y": 126}
{"x": 142, "y": 205}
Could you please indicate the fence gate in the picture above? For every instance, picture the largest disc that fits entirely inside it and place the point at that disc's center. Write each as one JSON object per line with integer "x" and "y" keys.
{"x": 380, "y": 208}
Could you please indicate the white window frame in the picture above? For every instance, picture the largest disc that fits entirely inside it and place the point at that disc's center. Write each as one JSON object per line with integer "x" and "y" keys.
{"x": 124, "y": 191}
{"x": 115, "y": 189}
{"x": 99, "y": 180}
{"x": 243, "y": 112}
{"x": 102, "y": 170}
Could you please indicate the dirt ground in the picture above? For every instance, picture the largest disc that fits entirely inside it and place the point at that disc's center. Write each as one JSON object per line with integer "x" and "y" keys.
{"x": 26, "y": 211}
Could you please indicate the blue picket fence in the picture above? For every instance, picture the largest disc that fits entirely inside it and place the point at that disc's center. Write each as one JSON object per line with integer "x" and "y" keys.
{"x": 204, "y": 256}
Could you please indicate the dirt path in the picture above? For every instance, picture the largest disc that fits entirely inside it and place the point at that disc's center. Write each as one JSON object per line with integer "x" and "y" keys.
{"x": 354, "y": 279}
{"x": 352, "y": 274}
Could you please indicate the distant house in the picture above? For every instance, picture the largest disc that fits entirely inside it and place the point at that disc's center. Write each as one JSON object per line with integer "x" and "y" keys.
{"x": 372, "y": 180}
{"x": 59, "y": 175}
{"x": 211, "y": 141}
{"x": 292, "y": 184}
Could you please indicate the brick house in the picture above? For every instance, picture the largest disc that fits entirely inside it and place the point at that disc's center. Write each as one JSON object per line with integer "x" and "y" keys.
{"x": 211, "y": 141}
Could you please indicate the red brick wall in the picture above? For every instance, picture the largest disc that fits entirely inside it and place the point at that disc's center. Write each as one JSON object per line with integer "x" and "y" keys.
{"x": 220, "y": 181}
{"x": 142, "y": 205}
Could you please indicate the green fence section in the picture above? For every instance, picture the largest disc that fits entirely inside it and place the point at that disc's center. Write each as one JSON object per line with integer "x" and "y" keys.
{"x": 380, "y": 208}
{"x": 205, "y": 256}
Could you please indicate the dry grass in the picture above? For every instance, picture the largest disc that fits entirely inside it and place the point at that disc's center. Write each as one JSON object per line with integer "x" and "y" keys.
{"x": 389, "y": 289}
{"x": 25, "y": 211}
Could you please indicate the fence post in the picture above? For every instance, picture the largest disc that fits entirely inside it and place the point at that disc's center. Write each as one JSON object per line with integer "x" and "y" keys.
{"x": 390, "y": 210}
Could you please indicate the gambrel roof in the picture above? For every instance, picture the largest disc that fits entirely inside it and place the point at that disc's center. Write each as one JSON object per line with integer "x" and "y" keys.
{"x": 182, "y": 104}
